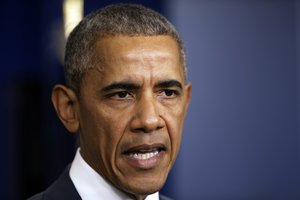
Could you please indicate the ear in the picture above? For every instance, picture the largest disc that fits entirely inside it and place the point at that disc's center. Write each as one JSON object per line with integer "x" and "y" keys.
{"x": 66, "y": 105}
{"x": 188, "y": 89}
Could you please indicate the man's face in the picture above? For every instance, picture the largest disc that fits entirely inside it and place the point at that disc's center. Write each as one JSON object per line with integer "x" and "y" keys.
{"x": 131, "y": 111}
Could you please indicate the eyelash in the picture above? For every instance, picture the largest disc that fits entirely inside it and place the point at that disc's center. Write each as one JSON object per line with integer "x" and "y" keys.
{"x": 173, "y": 94}
{"x": 119, "y": 95}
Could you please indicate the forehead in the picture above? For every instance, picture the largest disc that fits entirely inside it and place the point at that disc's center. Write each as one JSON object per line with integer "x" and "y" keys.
{"x": 126, "y": 46}
{"x": 125, "y": 57}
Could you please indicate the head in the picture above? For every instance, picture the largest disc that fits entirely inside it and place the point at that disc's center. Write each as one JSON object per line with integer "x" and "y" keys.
{"x": 114, "y": 20}
{"x": 126, "y": 94}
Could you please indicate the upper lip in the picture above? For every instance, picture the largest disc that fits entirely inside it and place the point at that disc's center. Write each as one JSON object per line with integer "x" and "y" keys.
{"x": 145, "y": 148}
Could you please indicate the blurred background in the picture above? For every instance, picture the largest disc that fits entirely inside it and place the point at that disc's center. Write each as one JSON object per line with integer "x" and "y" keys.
{"x": 242, "y": 134}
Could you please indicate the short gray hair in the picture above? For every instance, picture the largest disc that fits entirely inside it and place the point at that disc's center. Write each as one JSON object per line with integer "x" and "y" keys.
{"x": 113, "y": 20}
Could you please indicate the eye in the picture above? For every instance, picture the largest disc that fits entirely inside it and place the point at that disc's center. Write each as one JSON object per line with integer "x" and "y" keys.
{"x": 121, "y": 95}
{"x": 168, "y": 93}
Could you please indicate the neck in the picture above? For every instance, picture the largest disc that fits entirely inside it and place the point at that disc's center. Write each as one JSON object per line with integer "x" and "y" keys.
{"x": 140, "y": 197}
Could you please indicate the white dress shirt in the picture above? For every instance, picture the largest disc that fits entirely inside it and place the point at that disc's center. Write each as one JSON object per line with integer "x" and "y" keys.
{"x": 91, "y": 186}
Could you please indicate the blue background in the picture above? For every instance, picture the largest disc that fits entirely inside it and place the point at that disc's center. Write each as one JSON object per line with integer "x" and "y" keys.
{"x": 241, "y": 137}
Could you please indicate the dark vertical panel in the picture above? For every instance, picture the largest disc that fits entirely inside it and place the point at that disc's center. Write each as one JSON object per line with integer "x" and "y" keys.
{"x": 35, "y": 147}
{"x": 297, "y": 15}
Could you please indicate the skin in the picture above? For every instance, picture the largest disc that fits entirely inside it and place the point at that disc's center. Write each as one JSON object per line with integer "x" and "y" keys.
{"x": 135, "y": 102}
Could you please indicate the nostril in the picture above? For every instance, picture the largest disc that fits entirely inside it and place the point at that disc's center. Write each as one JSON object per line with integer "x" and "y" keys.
{"x": 146, "y": 129}
{"x": 141, "y": 130}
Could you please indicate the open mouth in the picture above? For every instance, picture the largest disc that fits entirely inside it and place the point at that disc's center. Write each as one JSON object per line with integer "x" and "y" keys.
{"x": 145, "y": 156}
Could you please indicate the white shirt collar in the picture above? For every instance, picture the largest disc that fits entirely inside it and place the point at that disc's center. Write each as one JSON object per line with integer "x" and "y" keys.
{"x": 91, "y": 186}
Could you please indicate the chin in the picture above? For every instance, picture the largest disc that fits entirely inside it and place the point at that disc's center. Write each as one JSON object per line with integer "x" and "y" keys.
{"x": 145, "y": 187}
{"x": 144, "y": 191}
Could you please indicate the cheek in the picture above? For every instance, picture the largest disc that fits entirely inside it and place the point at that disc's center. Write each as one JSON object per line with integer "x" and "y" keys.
{"x": 101, "y": 128}
{"x": 175, "y": 115}
{"x": 174, "y": 118}
{"x": 113, "y": 125}
{"x": 102, "y": 132}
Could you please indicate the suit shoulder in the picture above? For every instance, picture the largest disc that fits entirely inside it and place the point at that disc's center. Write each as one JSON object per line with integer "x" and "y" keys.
{"x": 61, "y": 189}
{"x": 39, "y": 196}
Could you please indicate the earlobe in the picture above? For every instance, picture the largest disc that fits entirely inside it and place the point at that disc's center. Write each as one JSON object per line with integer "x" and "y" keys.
{"x": 66, "y": 105}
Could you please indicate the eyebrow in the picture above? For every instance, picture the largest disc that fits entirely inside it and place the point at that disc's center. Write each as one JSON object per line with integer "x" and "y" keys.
{"x": 169, "y": 84}
{"x": 125, "y": 85}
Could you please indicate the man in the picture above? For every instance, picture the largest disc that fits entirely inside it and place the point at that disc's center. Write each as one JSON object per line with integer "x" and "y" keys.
{"x": 126, "y": 96}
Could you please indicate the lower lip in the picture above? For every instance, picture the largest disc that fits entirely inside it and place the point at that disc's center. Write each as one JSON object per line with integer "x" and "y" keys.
{"x": 145, "y": 163}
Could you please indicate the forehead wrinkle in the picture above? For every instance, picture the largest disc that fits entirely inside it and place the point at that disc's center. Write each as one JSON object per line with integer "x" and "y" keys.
{"x": 119, "y": 56}
{"x": 151, "y": 67}
{"x": 146, "y": 55}
{"x": 149, "y": 61}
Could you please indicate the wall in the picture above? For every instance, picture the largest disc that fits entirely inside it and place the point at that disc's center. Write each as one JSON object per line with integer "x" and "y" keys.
{"x": 242, "y": 132}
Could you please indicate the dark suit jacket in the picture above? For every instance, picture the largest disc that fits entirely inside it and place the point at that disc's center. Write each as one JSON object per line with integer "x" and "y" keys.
{"x": 64, "y": 189}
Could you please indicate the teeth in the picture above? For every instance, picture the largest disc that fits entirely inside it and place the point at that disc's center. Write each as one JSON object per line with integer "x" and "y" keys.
{"x": 144, "y": 156}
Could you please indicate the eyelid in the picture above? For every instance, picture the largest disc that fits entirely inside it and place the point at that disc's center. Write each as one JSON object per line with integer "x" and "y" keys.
{"x": 113, "y": 95}
{"x": 176, "y": 92}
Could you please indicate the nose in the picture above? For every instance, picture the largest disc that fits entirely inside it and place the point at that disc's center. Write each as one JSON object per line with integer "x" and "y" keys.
{"x": 146, "y": 116}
